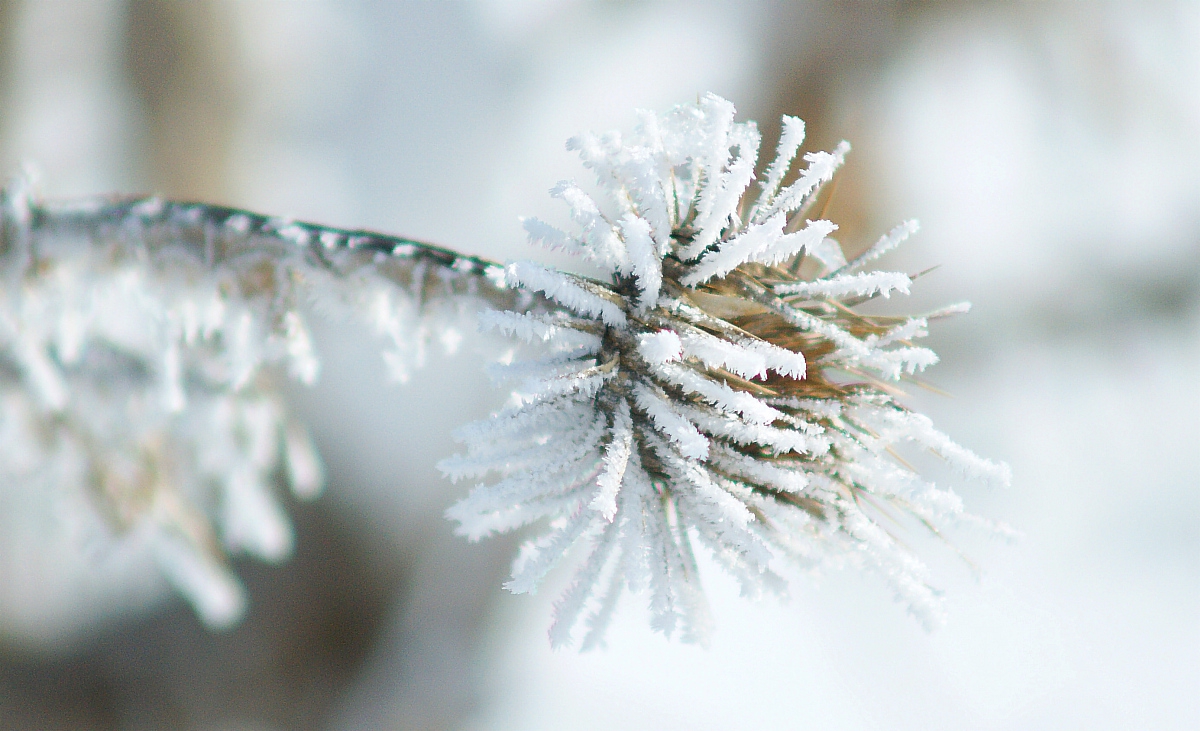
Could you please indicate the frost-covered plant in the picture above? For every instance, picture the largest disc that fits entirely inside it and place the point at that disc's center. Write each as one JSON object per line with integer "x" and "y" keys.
{"x": 719, "y": 387}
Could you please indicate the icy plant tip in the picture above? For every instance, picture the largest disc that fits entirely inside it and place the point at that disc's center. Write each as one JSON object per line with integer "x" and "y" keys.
{"x": 720, "y": 387}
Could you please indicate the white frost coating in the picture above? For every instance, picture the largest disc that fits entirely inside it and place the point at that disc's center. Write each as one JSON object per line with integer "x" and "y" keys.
{"x": 829, "y": 253}
{"x": 726, "y": 515}
{"x": 645, "y": 520}
{"x": 717, "y": 353}
{"x": 733, "y": 184}
{"x": 645, "y": 261}
{"x": 891, "y": 363}
{"x": 212, "y": 589}
{"x": 550, "y": 237}
{"x": 742, "y": 356}
{"x": 733, "y": 253}
{"x": 687, "y": 438}
{"x": 600, "y": 154}
{"x": 790, "y": 139}
{"x": 849, "y": 347}
{"x": 920, "y": 428}
{"x": 540, "y": 478}
{"x": 662, "y": 346}
{"x": 598, "y": 622}
{"x": 543, "y": 483}
{"x": 521, "y": 325}
{"x": 651, "y": 557}
{"x": 583, "y": 384}
{"x": 720, "y": 395}
{"x": 302, "y": 358}
{"x": 512, "y": 503}
{"x": 46, "y": 379}
{"x": 616, "y": 459}
{"x": 571, "y": 605}
{"x": 253, "y": 520}
{"x": 534, "y": 456}
{"x": 781, "y": 360}
{"x": 779, "y": 441}
{"x": 912, "y": 328}
{"x": 788, "y": 480}
{"x": 538, "y": 556}
{"x": 714, "y": 156}
{"x": 809, "y": 238}
{"x": 522, "y": 422}
{"x": 887, "y": 242}
{"x": 306, "y": 473}
{"x": 642, "y": 169}
{"x": 551, "y": 367}
{"x": 958, "y": 308}
{"x": 824, "y": 408}
{"x": 531, "y": 327}
{"x": 564, "y": 289}
{"x": 599, "y": 239}
{"x": 820, "y": 170}
{"x": 870, "y": 283}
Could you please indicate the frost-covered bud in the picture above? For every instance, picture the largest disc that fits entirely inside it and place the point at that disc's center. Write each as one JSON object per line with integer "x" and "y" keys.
{"x": 730, "y": 392}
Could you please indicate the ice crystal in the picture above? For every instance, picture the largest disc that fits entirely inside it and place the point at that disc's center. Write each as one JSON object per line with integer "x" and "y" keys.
{"x": 720, "y": 387}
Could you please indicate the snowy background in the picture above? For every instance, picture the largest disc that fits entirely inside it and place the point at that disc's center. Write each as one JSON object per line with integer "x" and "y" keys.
{"x": 1052, "y": 154}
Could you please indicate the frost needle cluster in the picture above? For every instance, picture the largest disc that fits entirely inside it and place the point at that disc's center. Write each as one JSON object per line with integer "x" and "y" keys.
{"x": 720, "y": 387}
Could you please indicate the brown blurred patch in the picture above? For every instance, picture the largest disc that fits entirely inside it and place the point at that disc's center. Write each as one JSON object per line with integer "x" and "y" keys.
{"x": 824, "y": 58}
{"x": 309, "y": 628}
{"x": 181, "y": 59}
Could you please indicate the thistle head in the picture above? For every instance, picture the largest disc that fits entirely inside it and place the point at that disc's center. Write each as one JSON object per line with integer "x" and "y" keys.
{"x": 719, "y": 385}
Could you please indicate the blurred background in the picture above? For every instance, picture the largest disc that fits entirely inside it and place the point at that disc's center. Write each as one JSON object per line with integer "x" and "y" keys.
{"x": 1052, "y": 154}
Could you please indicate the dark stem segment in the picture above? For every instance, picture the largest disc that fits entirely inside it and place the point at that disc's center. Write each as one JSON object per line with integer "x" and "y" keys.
{"x": 220, "y": 235}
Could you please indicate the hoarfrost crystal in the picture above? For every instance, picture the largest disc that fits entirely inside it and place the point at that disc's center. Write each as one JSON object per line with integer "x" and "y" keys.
{"x": 719, "y": 388}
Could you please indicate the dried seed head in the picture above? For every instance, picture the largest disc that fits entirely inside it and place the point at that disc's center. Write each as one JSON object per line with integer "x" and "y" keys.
{"x": 726, "y": 390}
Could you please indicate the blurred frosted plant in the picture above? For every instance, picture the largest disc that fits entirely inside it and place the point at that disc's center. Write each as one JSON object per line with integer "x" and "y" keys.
{"x": 721, "y": 386}
{"x": 143, "y": 344}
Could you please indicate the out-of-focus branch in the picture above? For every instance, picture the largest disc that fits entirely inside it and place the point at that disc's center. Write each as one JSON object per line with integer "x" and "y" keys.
{"x": 219, "y": 235}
